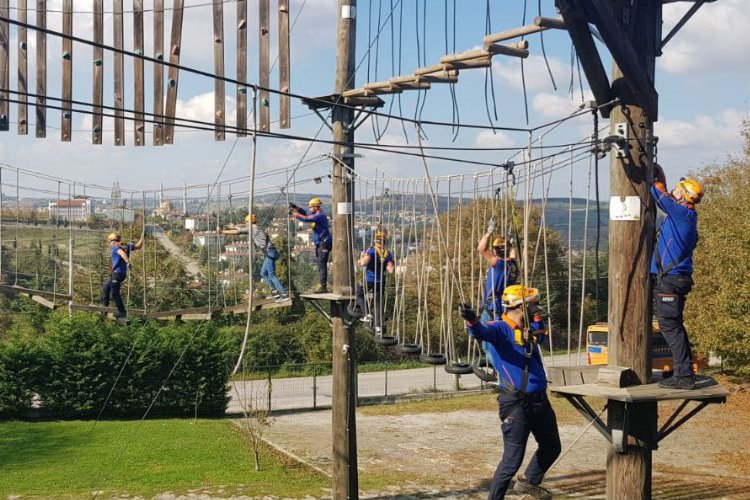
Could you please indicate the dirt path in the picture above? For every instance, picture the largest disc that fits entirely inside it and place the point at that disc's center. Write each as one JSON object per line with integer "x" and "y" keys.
{"x": 453, "y": 454}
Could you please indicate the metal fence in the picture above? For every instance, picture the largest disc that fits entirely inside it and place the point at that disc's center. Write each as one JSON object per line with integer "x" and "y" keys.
{"x": 308, "y": 386}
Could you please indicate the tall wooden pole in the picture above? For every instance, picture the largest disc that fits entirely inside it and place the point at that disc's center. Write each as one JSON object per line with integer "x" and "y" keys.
{"x": 345, "y": 481}
{"x": 630, "y": 248}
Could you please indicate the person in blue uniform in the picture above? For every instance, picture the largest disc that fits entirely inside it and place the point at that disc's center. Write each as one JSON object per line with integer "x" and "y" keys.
{"x": 377, "y": 261}
{"x": 523, "y": 404}
{"x": 322, "y": 238}
{"x": 672, "y": 270}
{"x": 120, "y": 253}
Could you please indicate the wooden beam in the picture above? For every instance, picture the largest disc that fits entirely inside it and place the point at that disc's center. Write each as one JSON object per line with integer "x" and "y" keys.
{"x": 616, "y": 376}
{"x": 158, "y": 139}
{"x": 555, "y": 23}
{"x": 66, "y": 116}
{"x": 45, "y": 302}
{"x": 264, "y": 47}
{"x": 413, "y": 85}
{"x": 624, "y": 54}
{"x": 515, "y": 50}
{"x": 448, "y": 77}
{"x": 588, "y": 54}
{"x": 513, "y": 33}
{"x": 219, "y": 86}
{"x": 23, "y": 70}
{"x": 98, "y": 73}
{"x": 479, "y": 62}
{"x": 41, "y": 69}
{"x": 285, "y": 116}
{"x": 4, "y": 67}
{"x": 175, "y": 47}
{"x": 139, "y": 132}
{"x": 119, "y": 68}
{"x": 241, "y": 90}
{"x": 30, "y": 291}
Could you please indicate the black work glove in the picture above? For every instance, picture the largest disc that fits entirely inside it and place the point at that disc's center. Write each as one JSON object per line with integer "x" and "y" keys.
{"x": 510, "y": 240}
{"x": 294, "y": 208}
{"x": 467, "y": 312}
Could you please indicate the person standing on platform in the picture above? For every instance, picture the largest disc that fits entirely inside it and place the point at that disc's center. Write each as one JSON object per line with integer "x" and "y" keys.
{"x": 120, "y": 253}
{"x": 524, "y": 406}
{"x": 322, "y": 238}
{"x": 377, "y": 260}
{"x": 672, "y": 270}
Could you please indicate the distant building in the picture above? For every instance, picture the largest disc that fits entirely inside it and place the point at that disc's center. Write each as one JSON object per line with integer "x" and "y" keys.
{"x": 197, "y": 223}
{"x": 77, "y": 209}
{"x": 124, "y": 215}
{"x": 207, "y": 238}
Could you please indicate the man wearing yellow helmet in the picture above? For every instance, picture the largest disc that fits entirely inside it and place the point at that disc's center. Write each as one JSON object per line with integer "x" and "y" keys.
{"x": 322, "y": 238}
{"x": 376, "y": 260}
{"x": 524, "y": 407}
{"x": 120, "y": 253}
{"x": 672, "y": 270}
{"x": 262, "y": 242}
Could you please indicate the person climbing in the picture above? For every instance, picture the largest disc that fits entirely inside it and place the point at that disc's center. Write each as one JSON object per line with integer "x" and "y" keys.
{"x": 501, "y": 273}
{"x": 376, "y": 260}
{"x": 120, "y": 253}
{"x": 262, "y": 242}
{"x": 322, "y": 239}
{"x": 523, "y": 403}
{"x": 672, "y": 270}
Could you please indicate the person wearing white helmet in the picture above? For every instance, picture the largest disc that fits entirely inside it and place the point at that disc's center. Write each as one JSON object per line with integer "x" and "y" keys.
{"x": 120, "y": 253}
{"x": 524, "y": 407}
{"x": 316, "y": 217}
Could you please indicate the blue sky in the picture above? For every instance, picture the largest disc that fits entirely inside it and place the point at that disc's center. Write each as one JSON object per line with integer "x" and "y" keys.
{"x": 703, "y": 80}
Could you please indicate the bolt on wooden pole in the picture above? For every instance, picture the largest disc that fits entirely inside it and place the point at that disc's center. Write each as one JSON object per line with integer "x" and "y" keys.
{"x": 345, "y": 479}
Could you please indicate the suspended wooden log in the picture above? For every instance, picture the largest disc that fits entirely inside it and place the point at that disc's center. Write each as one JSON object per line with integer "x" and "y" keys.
{"x": 284, "y": 66}
{"x": 4, "y": 67}
{"x": 119, "y": 67}
{"x": 41, "y": 69}
{"x": 540, "y": 24}
{"x": 433, "y": 68}
{"x": 516, "y": 49}
{"x": 98, "y": 84}
{"x": 139, "y": 133}
{"x": 264, "y": 45}
{"x": 413, "y": 85}
{"x": 66, "y": 117}
{"x": 158, "y": 72}
{"x": 479, "y": 62}
{"x": 241, "y": 67}
{"x": 23, "y": 67}
{"x": 219, "y": 89}
{"x": 175, "y": 45}
{"x": 556, "y": 23}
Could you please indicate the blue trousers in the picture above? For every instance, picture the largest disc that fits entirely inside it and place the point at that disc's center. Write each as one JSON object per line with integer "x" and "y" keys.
{"x": 521, "y": 415}
{"x": 669, "y": 298}
{"x": 111, "y": 287}
{"x": 268, "y": 273}
{"x": 322, "y": 252}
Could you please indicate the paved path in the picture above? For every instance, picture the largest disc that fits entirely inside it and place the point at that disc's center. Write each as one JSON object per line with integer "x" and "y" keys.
{"x": 312, "y": 392}
{"x": 191, "y": 265}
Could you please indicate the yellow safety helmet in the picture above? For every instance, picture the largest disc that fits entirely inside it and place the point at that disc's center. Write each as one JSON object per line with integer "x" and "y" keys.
{"x": 113, "y": 237}
{"x": 498, "y": 242}
{"x": 692, "y": 190}
{"x": 252, "y": 217}
{"x": 381, "y": 235}
{"x": 516, "y": 295}
{"x": 314, "y": 202}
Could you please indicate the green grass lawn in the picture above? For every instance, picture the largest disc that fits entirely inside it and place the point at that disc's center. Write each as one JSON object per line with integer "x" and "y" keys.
{"x": 73, "y": 459}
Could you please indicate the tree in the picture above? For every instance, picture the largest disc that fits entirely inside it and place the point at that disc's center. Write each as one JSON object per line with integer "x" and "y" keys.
{"x": 718, "y": 309}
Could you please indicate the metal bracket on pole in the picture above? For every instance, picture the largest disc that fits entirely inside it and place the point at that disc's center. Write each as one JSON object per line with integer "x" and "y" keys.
{"x": 618, "y": 425}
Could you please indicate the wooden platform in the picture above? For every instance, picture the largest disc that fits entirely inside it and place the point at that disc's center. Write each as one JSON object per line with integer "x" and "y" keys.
{"x": 642, "y": 393}
{"x": 30, "y": 292}
{"x": 334, "y": 297}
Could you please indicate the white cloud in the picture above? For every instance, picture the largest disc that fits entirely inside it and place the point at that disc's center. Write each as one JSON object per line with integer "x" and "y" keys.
{"x": 718, "y": 133}
{"x": 557, "y": 105}
{"x": 498, "y": 139}
{"x": 537, "y": 77}
{"x": 714, "y": 39}
{"x": 201, "y": 107}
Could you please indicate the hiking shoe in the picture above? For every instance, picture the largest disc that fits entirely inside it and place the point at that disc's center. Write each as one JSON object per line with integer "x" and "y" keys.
{"x": 282, "y": 298}
{"x": 354, "y": 311}
{"x": 274, "y": 295}
{"x": 321, "y": 289}
{"x": 367, "y": 318}
{"x": 524, "y": 487}
{"x": 683, "y": 383}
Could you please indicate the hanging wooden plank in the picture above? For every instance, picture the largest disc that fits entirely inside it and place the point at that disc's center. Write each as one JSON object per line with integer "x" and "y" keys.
{"x": 241, "y": 67}
{"x": 119, "y": 66}
{"x": 175, "y": 47}
{"x": 219, "y": 87}
{"x": 98, "y": 87}
{"x": 41, "y": 69}
{"x": 4, "y": 67}
{"x": 285, "y": 117}
{"x": 23, "y": 68}
{"x": 264, "y": 64}
{"x": 158, "y": 72}
{"x": 139, "y": 134}
{"x": 66, "y": 117}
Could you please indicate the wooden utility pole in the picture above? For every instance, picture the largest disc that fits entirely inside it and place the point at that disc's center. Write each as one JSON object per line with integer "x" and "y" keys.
{"x": 631, "y": 237}
{"x": 345, "y": 481}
